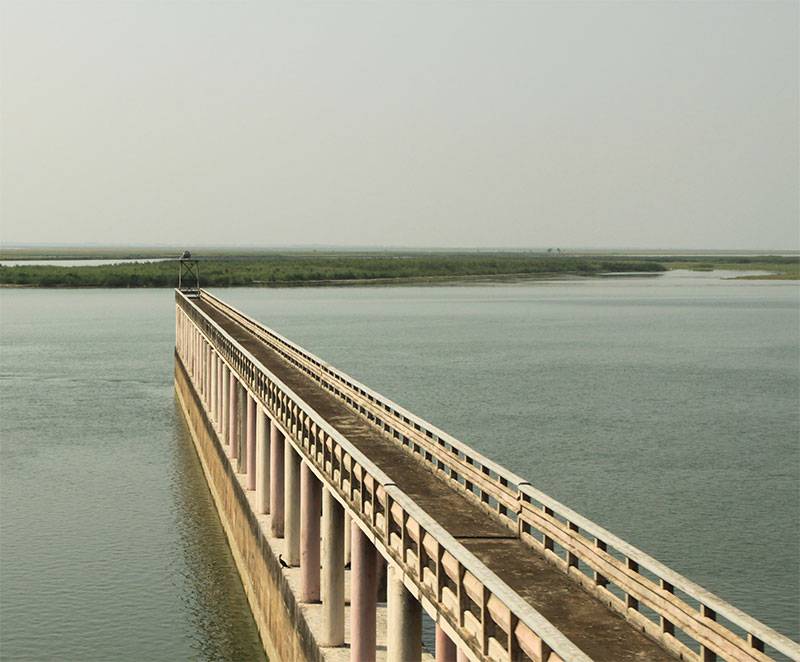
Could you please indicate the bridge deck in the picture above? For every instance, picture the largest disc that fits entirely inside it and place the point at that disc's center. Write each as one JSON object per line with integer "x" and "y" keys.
{"x": 599, "y": 632}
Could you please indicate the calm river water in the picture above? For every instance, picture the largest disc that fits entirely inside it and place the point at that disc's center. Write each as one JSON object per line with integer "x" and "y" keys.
{"x": 665, "y": 409}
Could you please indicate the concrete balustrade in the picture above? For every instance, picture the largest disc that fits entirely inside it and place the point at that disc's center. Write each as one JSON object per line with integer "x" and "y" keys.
{"x": 310, "y": 505}
{"x": 333, "y": 562}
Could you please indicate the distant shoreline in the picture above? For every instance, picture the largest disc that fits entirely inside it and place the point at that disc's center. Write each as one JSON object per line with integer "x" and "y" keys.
{"x": 339, "y": 269}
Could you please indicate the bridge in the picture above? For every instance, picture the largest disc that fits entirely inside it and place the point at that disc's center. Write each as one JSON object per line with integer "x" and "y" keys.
{"x": 348, "y": 517}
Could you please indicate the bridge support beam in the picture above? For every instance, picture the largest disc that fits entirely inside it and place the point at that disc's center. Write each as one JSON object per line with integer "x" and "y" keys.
{"x": 291, "y": 504}
{"x": 251, "y": 442}
{"x": 310, "y": 504}
{"x": 333, "y": 541}
{"x": 233, "y": 426}
{"x": 262, "y": 461}
{"x": 404, "y": 621}
{"x": 445, "y": 648}
{"x": 363, "y": 594}
{"x": 277, "y": 473}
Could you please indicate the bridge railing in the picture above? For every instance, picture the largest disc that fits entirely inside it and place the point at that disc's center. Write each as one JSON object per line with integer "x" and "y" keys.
{"x": 493, "y": 485}
{"x": 682, "y": 616}
{"x": 486, "y": 613}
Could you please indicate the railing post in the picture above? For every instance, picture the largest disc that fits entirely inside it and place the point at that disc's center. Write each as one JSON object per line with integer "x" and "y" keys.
{"x": 333, "y": 541}
{"x": 404, "y": 621}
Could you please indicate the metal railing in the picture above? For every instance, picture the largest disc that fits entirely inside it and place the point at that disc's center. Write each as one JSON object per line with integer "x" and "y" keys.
{"x": 682, "y": 616}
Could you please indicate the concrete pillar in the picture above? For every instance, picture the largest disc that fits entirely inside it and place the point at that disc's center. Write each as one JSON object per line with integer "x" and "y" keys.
{"x": 234, "y": 408}
{"x": 461, "y": 656}
{"x": 333, "y": 530}
{"x": 445, "y": 648}
{"x": 291, "y": 503}
{"x": 348, "y": 537}
{"x": 226, "y": 407}
{"x": 214, "y": 388}
{"x": 310, "y": 504}
{"x": 251, "y": 442}
{"x": 276, "y": 487}
{"x": 404, "y": 621}
{"x": 363, "y": 591}
{"x": 218, "y": 409}
{"x": 241, "y": 429}
{"x": 262, "y": 462}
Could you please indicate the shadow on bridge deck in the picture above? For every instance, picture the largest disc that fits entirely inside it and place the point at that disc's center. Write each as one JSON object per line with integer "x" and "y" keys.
{"x": 590, "y": 625}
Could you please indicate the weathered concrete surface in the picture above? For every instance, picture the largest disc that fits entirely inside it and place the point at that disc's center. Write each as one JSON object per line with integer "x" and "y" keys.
{"x": 289, "y": 630}
{"x": 590, "y": 625}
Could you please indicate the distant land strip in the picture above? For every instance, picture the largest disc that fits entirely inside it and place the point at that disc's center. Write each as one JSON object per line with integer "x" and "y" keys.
{"x": 340, "y": 268}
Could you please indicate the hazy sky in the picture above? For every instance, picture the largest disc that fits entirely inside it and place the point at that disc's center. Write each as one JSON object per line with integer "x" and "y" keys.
{"x": 535, "y": 124}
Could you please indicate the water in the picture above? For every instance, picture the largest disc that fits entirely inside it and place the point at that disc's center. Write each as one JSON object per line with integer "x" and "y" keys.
{"x": 665, "y": 409}
{"x": 81, "y": 263}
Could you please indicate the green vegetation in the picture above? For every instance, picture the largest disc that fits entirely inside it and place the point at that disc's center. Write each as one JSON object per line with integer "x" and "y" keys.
{"x": 324, "y": 268}
{"x": 778, "y": 267}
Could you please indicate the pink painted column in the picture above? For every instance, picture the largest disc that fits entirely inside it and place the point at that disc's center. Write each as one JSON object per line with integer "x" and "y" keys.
{"x": 445, "y": 648}
{"x": 310, "y": 505}
{"x": 363, "y": 597}
{"x": 233, "y": 427}
{"x": 461, "y": 656}
{"x": 251, "y": 442}
{"x": 276, "y": 479}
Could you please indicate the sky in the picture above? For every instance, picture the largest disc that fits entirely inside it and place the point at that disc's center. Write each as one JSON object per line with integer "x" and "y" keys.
{"x": 416, "y": 124}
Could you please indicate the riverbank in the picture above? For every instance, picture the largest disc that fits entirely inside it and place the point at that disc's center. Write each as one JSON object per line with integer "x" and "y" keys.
{"x": 328, "y": 269}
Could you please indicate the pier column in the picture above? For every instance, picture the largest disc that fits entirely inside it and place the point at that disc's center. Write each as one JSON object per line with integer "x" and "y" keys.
{"x": 214, "y": 417}
{"x": 363, "y": 597}
{"x": 262, "y": 462}
{"x": 310, "y": 504}
{"x": 404, "y": 621}
{"x": 291, "y": 503}
{"x": 233, "y": 426}
{"x": 445, "y": 648}
{"x": 226, "y": 407}
{"x": 276, "y": 486}
{"x": 332, "y": 570}
{"x": 251, "y": 442}
{"x": 219, "y": 392}
{"x": 348, "y": 537}
{"x": 241, "y": 428}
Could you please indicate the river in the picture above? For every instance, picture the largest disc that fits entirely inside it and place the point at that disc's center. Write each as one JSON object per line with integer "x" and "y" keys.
{"x": 666, "y": 409}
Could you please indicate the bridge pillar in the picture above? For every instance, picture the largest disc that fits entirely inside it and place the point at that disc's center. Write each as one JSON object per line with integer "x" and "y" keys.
{"x": 213, "y": 388}
{"x": 291, "y": 504}
{"x": 262, "y": 462}
{"x": 445, "y": 648}
{"x": 333, "y": 541}
{"x": 233, "y": 426}
{"x": 363, "y": 594}
{"x": 226, "y": 410}
{"x": 404, "y": 621}
{"x": 219, "y": 392}
{"x": 310, "y": 503}
{"x": 251, "y": 442}
{"x": 241, "y": 428}
{"x": 348, "y": 536}
{"x": 277, "y": 473}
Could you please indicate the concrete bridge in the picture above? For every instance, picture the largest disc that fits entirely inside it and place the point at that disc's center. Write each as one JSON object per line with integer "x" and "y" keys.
{"x": 349, "y": 516}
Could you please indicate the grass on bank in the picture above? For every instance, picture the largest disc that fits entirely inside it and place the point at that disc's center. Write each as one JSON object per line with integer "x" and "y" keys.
{"x": 298, "y": 269}
{"x": 778, "y": 267}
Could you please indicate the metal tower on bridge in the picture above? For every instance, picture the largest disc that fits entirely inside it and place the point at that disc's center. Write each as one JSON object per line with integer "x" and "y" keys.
{"x": 189, "y": 275}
